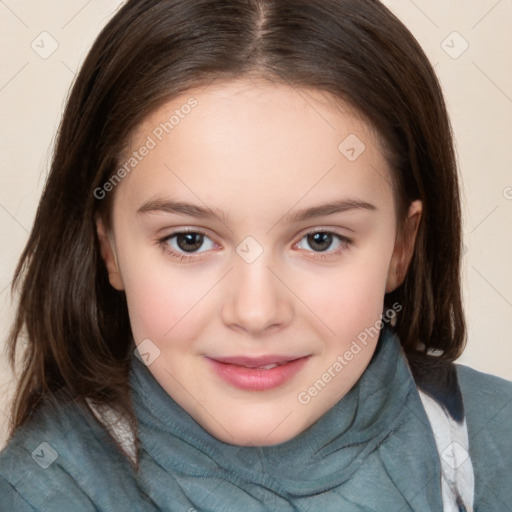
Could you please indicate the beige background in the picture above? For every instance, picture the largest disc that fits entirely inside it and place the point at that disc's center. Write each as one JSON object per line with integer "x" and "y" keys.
{"x": 478, "y": 88}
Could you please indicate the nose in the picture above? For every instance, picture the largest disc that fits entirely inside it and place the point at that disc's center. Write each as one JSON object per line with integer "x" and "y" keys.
{"x": 257, "y": 302}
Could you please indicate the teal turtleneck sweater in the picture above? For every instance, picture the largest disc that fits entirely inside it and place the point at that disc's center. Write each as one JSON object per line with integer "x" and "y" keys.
{"x": 374, "y": 450}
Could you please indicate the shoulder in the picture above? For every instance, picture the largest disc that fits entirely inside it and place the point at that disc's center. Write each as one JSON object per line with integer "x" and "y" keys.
{"x": 486, "y": 397}
{"x": 488, "y": 409}
{"x": 487, "y": 405}
{"x": 60, "y": 457}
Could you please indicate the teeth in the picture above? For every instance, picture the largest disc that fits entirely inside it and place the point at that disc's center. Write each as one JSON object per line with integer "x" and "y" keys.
{"x": 268, "y": 367}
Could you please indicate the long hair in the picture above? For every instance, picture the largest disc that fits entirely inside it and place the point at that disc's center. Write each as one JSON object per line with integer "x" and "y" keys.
{"x": 75, "y": 325}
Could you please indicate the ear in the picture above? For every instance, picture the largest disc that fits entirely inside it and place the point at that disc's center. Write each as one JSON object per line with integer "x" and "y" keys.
{"x": 108, "y": 253}
{"x": 404, "y": 248}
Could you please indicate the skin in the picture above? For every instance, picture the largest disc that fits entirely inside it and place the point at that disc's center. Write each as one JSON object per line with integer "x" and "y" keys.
{"x": 257, "y": 152}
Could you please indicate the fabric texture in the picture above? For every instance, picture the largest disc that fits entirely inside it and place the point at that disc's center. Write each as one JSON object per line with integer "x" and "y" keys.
{"x": 457, "y": 476}
{"x": 374, "y": 450}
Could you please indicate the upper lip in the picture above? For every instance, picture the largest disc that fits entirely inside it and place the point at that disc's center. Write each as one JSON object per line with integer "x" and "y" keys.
{"x": 256, "y": 362}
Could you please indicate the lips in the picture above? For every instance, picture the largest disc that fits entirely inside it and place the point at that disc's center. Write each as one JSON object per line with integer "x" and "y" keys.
{"x": 257, "y": 373}
{"x": 257, "y": 362}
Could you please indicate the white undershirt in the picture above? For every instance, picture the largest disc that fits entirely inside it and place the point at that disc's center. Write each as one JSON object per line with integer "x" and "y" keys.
{"x": 453, "y": 446}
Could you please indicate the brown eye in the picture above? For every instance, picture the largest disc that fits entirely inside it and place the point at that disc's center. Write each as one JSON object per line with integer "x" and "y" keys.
{"x": 324, "y": 244}
{"x": 189, "y": 242}
{"x": 320, "y": 241}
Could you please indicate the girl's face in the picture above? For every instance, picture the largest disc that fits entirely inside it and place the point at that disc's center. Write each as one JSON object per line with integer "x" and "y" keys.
{"x": 254, "y": 225}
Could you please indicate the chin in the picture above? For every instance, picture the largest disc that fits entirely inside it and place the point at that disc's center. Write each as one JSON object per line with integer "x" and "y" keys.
{"x": 252, "y": 438}
{"x": 258, "y": 433}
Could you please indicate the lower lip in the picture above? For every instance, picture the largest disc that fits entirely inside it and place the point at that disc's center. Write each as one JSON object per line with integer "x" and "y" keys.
{"x": 254, "y": 379}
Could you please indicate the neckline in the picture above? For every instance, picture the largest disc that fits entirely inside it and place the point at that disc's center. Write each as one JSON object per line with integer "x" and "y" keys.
{"x": 324, "y": 455}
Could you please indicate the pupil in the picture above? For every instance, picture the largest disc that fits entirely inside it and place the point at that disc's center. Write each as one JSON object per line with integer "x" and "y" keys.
{"x": 324, "y": 240}
{"x": 189, "y": 241}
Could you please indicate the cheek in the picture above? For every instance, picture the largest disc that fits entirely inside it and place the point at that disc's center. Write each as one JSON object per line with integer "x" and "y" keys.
{"x": 152, "y": 313}
{"x": 349, "y": 297}
{"x": 164, "y": 305}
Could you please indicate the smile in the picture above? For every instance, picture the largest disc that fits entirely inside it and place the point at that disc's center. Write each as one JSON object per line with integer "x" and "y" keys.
{"x": 257, "y": 374}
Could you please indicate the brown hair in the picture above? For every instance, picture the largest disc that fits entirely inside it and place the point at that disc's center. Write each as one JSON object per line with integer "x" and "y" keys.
{"x": 76, "y": 325}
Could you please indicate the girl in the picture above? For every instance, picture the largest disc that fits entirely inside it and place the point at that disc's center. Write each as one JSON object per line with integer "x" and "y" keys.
{"x": 241, "y": 290}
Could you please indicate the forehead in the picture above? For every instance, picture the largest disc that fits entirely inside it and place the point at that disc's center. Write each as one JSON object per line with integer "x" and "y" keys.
{"x": 263, "y": 92}
{"x": 235, "y": 101}
{"x": 241, "y": 135}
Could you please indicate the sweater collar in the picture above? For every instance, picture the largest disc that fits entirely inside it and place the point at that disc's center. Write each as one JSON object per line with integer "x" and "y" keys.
{"x": 323, "y": 456}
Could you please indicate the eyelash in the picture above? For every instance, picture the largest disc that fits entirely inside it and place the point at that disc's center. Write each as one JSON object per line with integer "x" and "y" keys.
{"x": 184, "y": 258}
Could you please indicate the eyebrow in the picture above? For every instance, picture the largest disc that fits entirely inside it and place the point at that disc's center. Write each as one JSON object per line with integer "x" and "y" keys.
{"x": 200, "y": 212}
